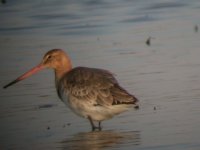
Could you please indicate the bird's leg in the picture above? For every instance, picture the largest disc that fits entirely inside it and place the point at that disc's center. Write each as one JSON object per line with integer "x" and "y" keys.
{"x": 100, "y": 128}
{"x": 93, "y": 125}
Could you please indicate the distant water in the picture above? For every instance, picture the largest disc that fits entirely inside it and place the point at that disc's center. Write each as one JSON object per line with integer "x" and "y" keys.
{"x": 112, "y": 34}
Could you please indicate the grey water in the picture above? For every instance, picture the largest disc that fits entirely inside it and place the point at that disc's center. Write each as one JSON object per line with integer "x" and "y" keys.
{"x": 109, "y": 34}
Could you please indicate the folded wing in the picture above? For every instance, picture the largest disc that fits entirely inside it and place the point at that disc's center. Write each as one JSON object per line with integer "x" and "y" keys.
{"x": 96, "y": 86}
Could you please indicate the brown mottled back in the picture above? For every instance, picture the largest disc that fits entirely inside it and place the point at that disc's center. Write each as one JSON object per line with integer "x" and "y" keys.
{"x": 94, "y": 84}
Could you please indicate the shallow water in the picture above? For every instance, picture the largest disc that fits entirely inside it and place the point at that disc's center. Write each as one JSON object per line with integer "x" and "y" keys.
{"x": 165, "y": 76}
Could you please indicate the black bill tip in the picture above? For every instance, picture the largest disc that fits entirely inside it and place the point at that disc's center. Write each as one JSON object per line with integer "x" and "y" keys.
{"x": 11, "y": 83}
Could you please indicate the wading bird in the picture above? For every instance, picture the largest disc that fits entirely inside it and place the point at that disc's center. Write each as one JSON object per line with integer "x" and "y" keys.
{"x": 89, "y": 92}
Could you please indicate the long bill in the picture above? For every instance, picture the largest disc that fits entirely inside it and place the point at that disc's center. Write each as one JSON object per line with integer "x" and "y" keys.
{"x": 26, "y": 75}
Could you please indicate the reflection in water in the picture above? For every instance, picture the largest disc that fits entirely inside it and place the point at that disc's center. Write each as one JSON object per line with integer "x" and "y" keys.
{"x": 100, "y": 140}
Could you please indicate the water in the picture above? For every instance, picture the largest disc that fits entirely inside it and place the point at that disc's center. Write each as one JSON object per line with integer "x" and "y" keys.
{"x": 165, "y": 76}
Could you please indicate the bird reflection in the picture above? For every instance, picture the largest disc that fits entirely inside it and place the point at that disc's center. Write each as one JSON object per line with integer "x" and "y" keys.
{"x": 100, "y": 140}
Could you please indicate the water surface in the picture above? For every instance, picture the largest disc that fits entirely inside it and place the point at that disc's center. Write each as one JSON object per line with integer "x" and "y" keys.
{"x": 165, "y": 76}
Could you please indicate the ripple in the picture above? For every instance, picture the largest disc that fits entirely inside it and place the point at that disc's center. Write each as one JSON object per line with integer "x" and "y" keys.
{"x": 139, "y": 19}
{"x": 44, "y": 106}
{"x": 57, "y": 16}
{"x": 164, "y": 5}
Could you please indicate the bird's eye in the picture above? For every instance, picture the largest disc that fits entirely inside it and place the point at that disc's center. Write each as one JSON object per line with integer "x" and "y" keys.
{"x": 49, "y": 57}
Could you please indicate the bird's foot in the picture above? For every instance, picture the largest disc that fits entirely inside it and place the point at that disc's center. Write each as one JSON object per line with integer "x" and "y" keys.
{"x": 137, "y": 106}
{"x": 94, "y": 128}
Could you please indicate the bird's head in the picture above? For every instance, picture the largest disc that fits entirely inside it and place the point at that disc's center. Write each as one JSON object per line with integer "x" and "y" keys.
{"x": 56, "y": 59}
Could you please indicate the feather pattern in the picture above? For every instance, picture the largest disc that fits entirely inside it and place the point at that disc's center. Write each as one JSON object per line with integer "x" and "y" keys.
{"x": 90, "y": 90}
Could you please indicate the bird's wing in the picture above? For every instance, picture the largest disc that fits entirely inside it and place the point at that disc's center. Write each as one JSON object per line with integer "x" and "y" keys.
{"x": 95, "y": 85}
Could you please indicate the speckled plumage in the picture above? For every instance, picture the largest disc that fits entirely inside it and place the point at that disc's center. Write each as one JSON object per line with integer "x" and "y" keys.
{"x": 89, "y": 92}
{"x": 94, "y": 93}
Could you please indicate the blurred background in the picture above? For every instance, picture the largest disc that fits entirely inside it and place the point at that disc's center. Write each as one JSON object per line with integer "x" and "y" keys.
{"x": 153, "y": 48}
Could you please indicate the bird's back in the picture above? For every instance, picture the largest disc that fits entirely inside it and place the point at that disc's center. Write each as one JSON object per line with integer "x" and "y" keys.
{"x": 96, "y": 85}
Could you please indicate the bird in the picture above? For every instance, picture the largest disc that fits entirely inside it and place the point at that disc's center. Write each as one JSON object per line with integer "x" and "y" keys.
{"x": 91, "y": 93}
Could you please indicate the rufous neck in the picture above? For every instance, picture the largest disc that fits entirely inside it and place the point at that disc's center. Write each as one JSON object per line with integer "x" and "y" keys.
{"x": 62, "y": 70}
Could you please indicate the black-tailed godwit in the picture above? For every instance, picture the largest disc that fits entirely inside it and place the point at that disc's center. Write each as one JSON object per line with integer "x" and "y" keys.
{"x": 89, "y": 92}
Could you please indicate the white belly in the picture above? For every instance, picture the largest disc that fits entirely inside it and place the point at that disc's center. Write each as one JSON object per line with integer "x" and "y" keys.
{"x": 96, "y": 112}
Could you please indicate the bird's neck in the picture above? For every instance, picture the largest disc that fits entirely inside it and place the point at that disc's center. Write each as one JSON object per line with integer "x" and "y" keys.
{"x": 59, "y": 73}
{"x": 61, "y": 69}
